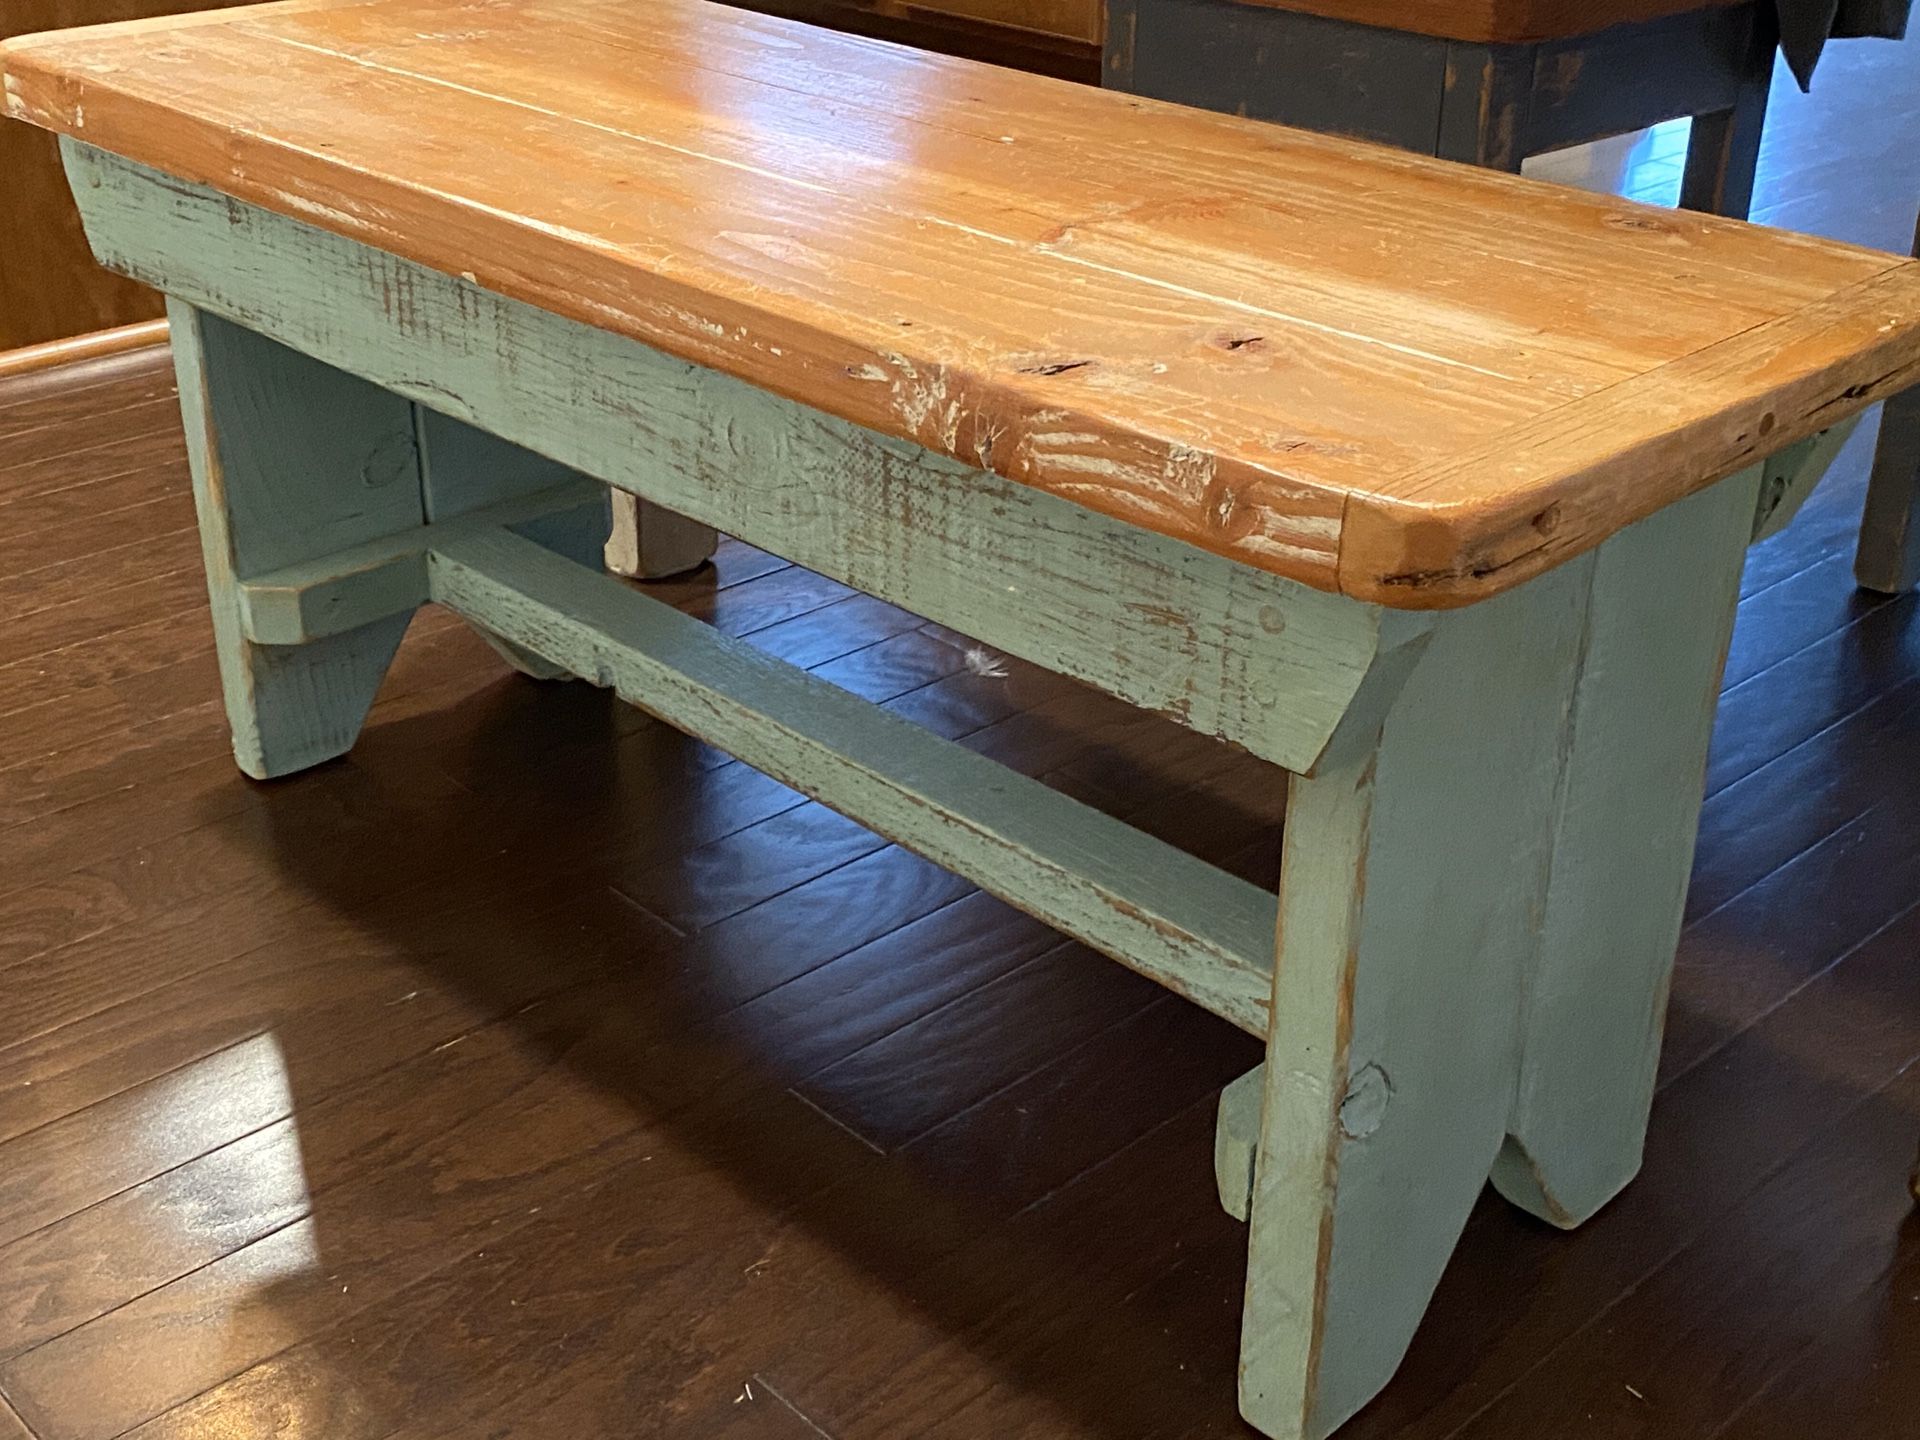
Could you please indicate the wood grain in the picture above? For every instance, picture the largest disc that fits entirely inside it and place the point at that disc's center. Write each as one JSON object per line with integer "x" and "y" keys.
{"x": 814, "y": 213}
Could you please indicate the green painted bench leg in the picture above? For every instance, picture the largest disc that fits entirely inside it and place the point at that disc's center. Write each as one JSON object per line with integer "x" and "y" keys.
{"x": 651, "y": 543}
{"x": 1659, "y": 617}
{"x": 291, "y": 460}
{"x": 1413, "y": 864}
{"x": 464, "y": 469}
{"x": 1480, "y": 896}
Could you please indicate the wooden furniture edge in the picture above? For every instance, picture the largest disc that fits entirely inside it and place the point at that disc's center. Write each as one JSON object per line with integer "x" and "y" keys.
{"x": 95, "y": 345}
{"x": 1429, "y": 551}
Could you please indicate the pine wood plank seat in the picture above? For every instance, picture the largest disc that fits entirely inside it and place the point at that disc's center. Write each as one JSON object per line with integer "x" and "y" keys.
{"x": 1430, "y": 485}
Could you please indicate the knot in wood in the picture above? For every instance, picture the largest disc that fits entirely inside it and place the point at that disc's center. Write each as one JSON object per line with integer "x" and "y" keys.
{"x": 1365, "y": 1103}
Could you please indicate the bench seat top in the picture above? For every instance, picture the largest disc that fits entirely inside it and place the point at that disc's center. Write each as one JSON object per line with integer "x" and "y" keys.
{"x": 1409, "y": 381}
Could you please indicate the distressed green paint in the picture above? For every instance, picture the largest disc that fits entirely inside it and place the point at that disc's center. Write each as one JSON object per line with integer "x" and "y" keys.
{"x": 1658, "y": 618}
{"x": 325, "y": 596}
{"x": 291, "y": 460}
{"x": 464, "y": 471}
{"x": 1236, "y": 1141}
{"x": 1413, "y": 867}
{"x": 1227, "y": 650}
{"x": 1201, "y": 932}
{"x": 1788, "y": 478}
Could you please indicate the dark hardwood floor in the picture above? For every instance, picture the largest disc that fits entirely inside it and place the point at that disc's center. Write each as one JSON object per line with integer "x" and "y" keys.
{"x": 538, "y": 1072}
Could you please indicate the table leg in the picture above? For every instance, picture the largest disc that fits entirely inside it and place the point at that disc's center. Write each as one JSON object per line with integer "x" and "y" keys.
{"x": 1723, "y": 151}
{"x": 1888, "y": 559}
{"x": 1484, "y": 106}
{"x": 1480, "y": 894}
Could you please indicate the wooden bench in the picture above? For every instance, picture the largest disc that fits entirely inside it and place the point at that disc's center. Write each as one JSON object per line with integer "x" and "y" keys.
{"x": 1428, "y": 484}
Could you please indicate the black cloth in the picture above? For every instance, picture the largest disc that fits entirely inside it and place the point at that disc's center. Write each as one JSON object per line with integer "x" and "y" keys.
{"x": 1807, "y": 25}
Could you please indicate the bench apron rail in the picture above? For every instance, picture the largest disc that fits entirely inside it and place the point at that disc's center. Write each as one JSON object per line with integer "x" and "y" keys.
{"x": 1491, "y": 810}
{"x": 1257, "y": 659}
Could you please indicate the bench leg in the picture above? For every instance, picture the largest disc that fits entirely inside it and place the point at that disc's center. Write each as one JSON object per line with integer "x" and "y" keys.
{"x": 1412, "y": 865}
{"x": 649, "y": 543}
{"x": 295, "y": 462}
{"x": 1480, "y": 895}
{"x": 1659, "y": 617}
{"x": 291, "y": 460}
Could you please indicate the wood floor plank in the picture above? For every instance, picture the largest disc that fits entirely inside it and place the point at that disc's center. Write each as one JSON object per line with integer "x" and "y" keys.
{"x": 1718, "y": 1133}
{"x": 1820, "y": 686}
{"x": 1746, "y": 958}
{"x": 879, "y": 970}
{"x": 95, "y": 495}
{"x": 70, "y": 423}
{"x": 93, "y": 616}
{"x": 458, "y": 1187}
{"x": 982, "y": 1306}
{"x": 44, "y": 463}
{"x": 59, "y": 395}
{"x": 834, "y": 631}
{"x": 895, "y": 1090}
{"x": 487, "y": 1163}
{"x": 1861, "y": 1372}
{"x": 58, "y": 1169}
{"x": 1835, "y": 777}
{"x": 259, "y": 1179}
{"x": 91, "y": 566}
{"x": 1831, "y": 1221}
{"x": 98, "y": 660}
{"x": 1156, "y": 1063}
{"x": 765, "y": 600}
{"x": 1797, "y": 614}
{"x": 131, "y": 517}
{"x": 705, "y": 885}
